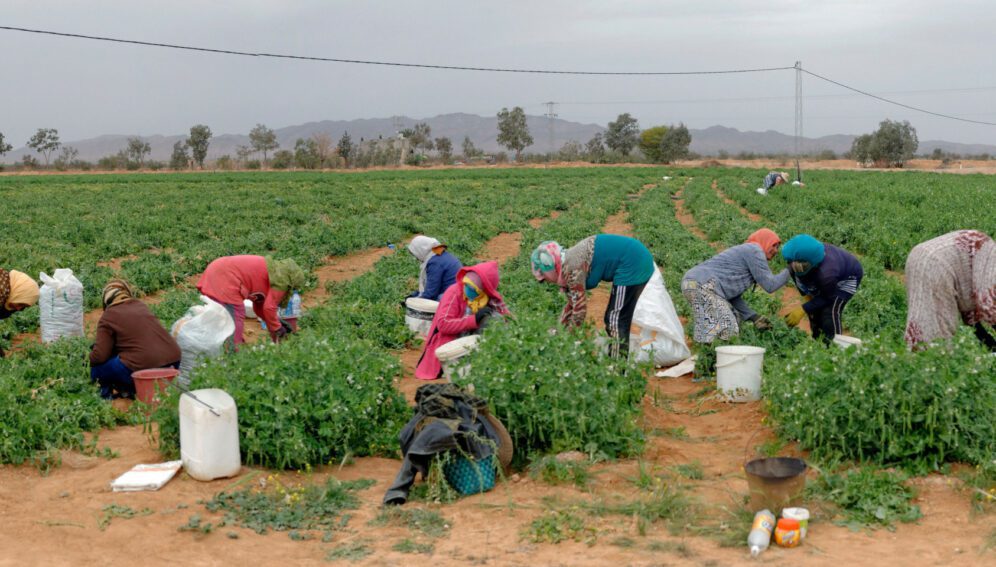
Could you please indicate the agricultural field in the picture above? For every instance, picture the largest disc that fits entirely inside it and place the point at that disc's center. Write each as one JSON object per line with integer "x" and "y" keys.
{"x": 902, "y": 445}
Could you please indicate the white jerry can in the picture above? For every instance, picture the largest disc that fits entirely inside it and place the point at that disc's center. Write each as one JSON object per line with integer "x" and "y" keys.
{"x": 209, "y": 443}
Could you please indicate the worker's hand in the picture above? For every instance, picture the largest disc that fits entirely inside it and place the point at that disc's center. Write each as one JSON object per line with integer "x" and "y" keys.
{"x": 793, "y": 317}
{"x": 762, "y": 324}
{"x": 483, "y": 314}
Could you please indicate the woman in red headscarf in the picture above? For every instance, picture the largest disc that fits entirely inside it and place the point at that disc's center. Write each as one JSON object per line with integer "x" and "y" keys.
{"x": 464, "y": 308}
{"x": 715, "y": 287}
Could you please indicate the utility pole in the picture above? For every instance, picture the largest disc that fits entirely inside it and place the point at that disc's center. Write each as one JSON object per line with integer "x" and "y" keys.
{"x": 551, "y": 114}
{"x": 798, "y": 118}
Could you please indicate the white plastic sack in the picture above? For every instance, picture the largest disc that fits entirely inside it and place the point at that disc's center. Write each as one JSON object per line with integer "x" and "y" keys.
{"x": 61, "y": 303}
{"x": 657, "y": 327}
{"x": 201, "y": 334}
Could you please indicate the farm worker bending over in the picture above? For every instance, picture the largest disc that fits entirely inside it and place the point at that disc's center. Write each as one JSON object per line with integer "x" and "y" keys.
{"x": 129, "y": 338}
{"x": 622, "y": 260}
{"x": 464, "y": 308}
{"x": 828, "y": 276}
{"x": 949, "y": 280}
{"x": 18, "y": 291}
{"x": 715, "y": 287}
{"x": 773, "y": 179}
{"x": 268, "y": 283}
{"x": 439, "y": 267}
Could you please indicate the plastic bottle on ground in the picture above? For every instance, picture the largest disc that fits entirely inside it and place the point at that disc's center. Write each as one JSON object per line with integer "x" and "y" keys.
{"x": 294, "y": 305}
{"x": 760, "y": 532}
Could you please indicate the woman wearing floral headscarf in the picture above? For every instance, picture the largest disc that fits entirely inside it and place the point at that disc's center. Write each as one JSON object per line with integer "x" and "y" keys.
{"x": 715, "y": 287}
{"x": 951, "y": 280}
{"x": 622, "y": 260}
{"x": 828, "y": 276}
{"x": 129, "y": 338}
{"x": 464, "y": 308}
{"x": 17, "y": 292}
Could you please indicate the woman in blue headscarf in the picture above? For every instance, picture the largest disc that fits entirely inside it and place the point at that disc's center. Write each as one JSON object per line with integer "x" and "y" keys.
{"x": 828, "y": 276}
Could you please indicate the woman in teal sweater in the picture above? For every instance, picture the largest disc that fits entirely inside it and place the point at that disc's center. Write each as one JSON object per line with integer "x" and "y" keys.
{"x": 622, "y": 260}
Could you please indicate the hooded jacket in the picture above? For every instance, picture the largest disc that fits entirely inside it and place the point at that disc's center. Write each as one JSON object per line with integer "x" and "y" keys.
{"x": 453, "y": 319}
{"x": 232, "y": 279}
{"x": 438, "y": 271}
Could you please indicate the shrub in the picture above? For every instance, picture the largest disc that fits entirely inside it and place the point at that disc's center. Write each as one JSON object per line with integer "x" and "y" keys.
{"x": 554, "y": 393}
{"x": 882, "y": 403}
{"x": 304, "y": 401}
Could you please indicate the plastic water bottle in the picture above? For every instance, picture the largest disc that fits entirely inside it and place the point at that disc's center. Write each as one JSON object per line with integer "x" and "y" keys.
{"x": 760, "y": 533}
{"x": 294, "y": 306}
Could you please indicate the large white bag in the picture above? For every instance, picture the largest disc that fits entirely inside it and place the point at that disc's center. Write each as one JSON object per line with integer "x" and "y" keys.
{"x": 658, "y": 329}
{"x": 61, "y": 303}
{"x": 201, "y": 334}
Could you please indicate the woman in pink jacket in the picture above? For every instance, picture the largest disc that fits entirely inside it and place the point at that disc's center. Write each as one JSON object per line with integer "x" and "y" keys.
{"x": 268, "y": 283}
{"x": 463, "y": 309}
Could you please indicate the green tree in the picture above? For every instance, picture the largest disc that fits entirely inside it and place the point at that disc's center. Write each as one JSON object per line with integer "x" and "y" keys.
{"x": 469, "y": 150}
{"x": 345, "y": 149}
{"x": 264, "y": 140}
{"x": 861, "y": 149}
{"x": 674, "y": 144}
{"x": 894, "y": 143}
{"x": 4, "y": 146}
{"x": 623, "y": 134}
{"x": 306, "y": 154}
{"x": 180, "y": 159}
{"x": 513, "y": 133}
{"x": 282, "y": 159}
{"x": 445, "y": 148}
{"x": 650, "y": 142}
{"x": 45, "y": 141}
{"x": 137, "y": 149}
{"x": 200, "y": 139}
{"x": 595, "y": 148}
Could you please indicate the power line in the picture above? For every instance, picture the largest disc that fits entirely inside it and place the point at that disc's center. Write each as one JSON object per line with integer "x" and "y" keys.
{"x": 389, "y": 63}
{"x": 883, "y": 99}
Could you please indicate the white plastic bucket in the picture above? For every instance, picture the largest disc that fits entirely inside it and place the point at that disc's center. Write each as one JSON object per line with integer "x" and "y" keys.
{"x": 844, "y": 341}
{"x": 738, "y": 372}
{"x": 209, "y": 443}
{"x": 419, "y": 313}
{"x": 450, "y": 353}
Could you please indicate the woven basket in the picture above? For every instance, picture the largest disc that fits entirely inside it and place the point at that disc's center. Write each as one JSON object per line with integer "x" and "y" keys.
{"x": 467, "y": 476}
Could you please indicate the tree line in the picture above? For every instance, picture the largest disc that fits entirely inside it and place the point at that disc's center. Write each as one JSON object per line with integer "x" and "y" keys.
{"x": 892, "y": 145}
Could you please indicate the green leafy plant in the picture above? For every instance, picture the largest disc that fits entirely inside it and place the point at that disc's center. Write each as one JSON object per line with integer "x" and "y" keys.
{"x": 552, "y": 470}
{"x": 867, "y": 497}
{"x": 556, "y": 526}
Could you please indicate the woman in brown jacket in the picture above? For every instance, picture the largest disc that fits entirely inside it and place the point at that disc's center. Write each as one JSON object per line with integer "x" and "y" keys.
{"x": 129, "y": 338}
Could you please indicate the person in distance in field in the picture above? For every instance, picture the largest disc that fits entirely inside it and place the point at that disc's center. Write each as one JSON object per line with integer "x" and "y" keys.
{"x": 828, "y": 277}
{"x": 951, "y": 280}
{"x": 268, "y": 283}
{"x": 715, "y": 287}
{"x": 18, "y": 291}
{"x": 773, "y": 179}
{"x": 439, "y": 267}
{"x": 465, "y": 307}
{"x": 622, "y": 260}
{"x": 129, "y": 338}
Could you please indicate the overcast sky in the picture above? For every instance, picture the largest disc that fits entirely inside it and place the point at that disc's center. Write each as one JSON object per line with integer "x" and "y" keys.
{"x": 895, "y": 48}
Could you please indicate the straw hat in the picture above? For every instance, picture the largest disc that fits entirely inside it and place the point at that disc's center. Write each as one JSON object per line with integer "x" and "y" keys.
{"x": 505, "y": 448}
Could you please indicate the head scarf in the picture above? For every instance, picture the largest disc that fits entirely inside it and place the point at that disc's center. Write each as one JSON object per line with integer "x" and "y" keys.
{"x": 422, "y": 248}
{"x": 285, "y": 275}
{"x": 116, "y": 291}
{"x": 548, "y": 257}
{"x": 804, "y": 248}
{"x": 765, "y": 238}
{"x": 23, "y": 290}
{"x": 473, "y": 292}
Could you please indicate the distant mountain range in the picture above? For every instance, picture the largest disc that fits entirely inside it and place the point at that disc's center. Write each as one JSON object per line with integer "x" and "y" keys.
{"x": 483, "y": 131}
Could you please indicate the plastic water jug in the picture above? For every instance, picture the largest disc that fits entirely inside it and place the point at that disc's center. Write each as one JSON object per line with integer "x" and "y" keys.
{"x": 209, "y": 443}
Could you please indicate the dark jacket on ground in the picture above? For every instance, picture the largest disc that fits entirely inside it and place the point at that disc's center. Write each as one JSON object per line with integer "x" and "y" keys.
{"x": 131, "y": 331}
{"x": 440, "y": 274}
{"x": 837, "y": 277}
{"x": 446, "y": 418}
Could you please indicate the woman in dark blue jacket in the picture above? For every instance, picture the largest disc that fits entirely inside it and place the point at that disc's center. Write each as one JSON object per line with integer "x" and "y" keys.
{"x": 828, "y": 276}
{"x": 439, "y": 267}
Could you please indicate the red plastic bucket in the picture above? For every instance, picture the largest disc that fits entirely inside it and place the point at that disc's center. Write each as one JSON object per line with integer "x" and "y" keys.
{"x": 148, "y": 381}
